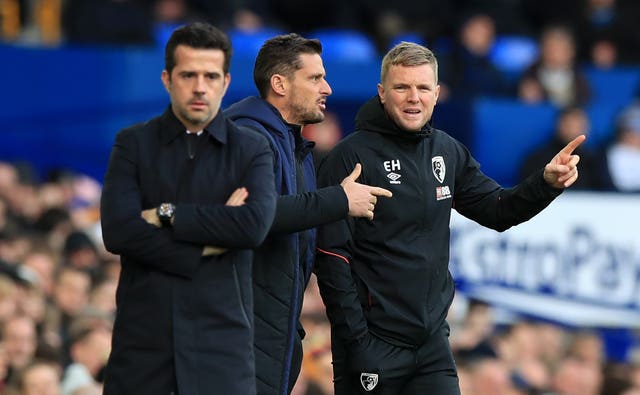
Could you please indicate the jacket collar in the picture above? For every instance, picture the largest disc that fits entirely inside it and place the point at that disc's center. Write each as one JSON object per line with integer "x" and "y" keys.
{"x": 171, "y": 127}
{"x": 373, "y": 118}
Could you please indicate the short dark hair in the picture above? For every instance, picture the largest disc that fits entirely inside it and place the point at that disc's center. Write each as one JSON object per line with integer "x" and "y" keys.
{"x": 197, "y": 35}
{"x": 281, "y": 55}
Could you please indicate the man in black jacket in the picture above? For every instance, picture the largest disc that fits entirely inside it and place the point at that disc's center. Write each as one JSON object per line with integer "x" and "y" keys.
{"x": 186, "y": 197}
{"x": 386, "y": 282}
{"x": 290, "y": 77}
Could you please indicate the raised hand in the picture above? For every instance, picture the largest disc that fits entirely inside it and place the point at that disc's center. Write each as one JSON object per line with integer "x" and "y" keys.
{"x": 562, "y": 170}
{"x": 362, "y": 198}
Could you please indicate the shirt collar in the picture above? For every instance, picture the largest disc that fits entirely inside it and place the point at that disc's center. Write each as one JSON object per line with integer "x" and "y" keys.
{"x": 171, "y": 127}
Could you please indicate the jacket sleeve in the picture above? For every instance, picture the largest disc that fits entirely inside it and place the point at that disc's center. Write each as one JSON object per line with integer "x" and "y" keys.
{"x": 243, "y": 226}
{"x": 124, "y": 231}
{"x": 295, "y": 213}
{"x": 480, "y": 198}
{"x": 333, "y": 261}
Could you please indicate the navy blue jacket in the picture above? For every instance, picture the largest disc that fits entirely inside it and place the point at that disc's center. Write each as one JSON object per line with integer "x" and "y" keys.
{"x": 184, "y": 321}
{"x": 283, "y": 263}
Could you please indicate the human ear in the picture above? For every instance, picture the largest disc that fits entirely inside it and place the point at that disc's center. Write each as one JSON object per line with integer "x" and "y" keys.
{"x": 278, "y": 84}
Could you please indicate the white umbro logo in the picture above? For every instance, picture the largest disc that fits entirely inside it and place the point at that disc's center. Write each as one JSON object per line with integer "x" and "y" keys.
{"x": 394, "y": 178}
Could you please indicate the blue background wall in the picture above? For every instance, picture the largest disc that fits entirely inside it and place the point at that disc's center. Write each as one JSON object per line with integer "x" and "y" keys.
{"x": 62, "y": 107}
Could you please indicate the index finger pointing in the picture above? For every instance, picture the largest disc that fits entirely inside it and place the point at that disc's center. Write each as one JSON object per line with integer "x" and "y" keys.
{"x": 377, "y": 191}
{"x": 569, "y": 148}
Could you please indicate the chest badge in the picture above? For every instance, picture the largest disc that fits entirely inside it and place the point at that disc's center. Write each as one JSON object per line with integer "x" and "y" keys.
{"x": 369, "y": 381}
{"x": 438, "y": 168}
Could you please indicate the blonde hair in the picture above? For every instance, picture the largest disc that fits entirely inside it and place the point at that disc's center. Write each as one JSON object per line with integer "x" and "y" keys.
{"x": 408, "y": 54}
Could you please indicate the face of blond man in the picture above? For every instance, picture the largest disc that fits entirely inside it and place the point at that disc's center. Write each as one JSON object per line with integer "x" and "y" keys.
{"x": 409, "y": 95}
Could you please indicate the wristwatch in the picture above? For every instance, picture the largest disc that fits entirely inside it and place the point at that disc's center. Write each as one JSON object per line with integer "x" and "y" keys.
{"x": 165, "y": 213}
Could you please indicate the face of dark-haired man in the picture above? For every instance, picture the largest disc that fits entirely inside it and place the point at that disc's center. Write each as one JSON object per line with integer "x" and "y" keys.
{"x": 306, "y": 92}
{"x": 196, "y": 85}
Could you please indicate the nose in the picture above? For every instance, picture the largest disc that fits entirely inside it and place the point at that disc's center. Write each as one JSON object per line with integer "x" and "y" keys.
{"x": 200, "y": 85}
{"x": 326, "y": 88}
{"x": 413, "y": 96}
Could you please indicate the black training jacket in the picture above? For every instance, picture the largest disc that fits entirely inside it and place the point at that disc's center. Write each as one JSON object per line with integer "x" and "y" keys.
{"x": 390, "y": 275}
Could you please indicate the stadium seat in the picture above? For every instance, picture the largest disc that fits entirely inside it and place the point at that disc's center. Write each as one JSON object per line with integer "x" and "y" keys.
{"x": 513, "y": 54}
{"x": 345, "y": 45}
{"x": 505, "y": 131}
{"x": 162, "y": 31}
{"x": 247, "y": 44}
{"x": 611, "y": 91}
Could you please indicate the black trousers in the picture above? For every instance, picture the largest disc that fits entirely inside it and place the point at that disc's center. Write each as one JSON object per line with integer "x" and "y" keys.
{"x": 375, "y": 366}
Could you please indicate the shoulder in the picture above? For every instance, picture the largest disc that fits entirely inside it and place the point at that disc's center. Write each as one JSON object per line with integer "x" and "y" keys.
{"x": 444, "y": 140}
{"x": 246, "y": 136}
{"x": 138, "y": 131}
{"x": 352, "y": 143}
{"x": 357, "y": 147}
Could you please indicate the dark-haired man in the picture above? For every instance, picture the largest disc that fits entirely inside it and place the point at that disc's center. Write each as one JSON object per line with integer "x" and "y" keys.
{"x": 186, "y": 197}
{"x": 290, "y": 78}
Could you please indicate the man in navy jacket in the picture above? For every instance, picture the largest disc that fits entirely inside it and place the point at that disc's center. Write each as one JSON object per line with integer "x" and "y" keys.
{"x": 290, "y": 77}
{"x": 186, "y": 197}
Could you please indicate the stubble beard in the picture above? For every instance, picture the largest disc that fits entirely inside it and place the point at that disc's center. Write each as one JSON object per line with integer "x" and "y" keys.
{"x": 202, "y": 120}
{"x": 306, "y": 116}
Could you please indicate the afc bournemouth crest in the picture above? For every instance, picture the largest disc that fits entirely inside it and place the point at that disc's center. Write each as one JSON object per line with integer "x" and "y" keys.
{"x": 438, "y": 168}
{"x": 369, "y": 381}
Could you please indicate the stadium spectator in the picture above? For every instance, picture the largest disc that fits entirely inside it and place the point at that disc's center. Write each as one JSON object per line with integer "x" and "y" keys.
{"x": 44, "y": 264}
{"x": 40, "y": 378}
{"x": 90, "y": 344}
{"x": 571, "y": 122}
{"x": 19, "y": 341}
{"x": 466, "y": 69}
{"x": 624, "y": 153}
{"x": 574, "y": 377}
{"x": 610, "y": 21}
{"x": 555, "y": 76}
{"x": 108, "y": 21}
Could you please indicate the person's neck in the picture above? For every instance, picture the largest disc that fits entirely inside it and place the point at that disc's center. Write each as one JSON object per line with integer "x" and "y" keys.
{"x": 284, "y": 112}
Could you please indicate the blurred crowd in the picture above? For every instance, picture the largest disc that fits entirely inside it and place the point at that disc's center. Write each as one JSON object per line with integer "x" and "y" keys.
{"x": 58, "y": 284}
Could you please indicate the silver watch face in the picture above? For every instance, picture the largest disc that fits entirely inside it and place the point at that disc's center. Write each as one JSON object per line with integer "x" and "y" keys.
{"x": 165, "y": 210}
